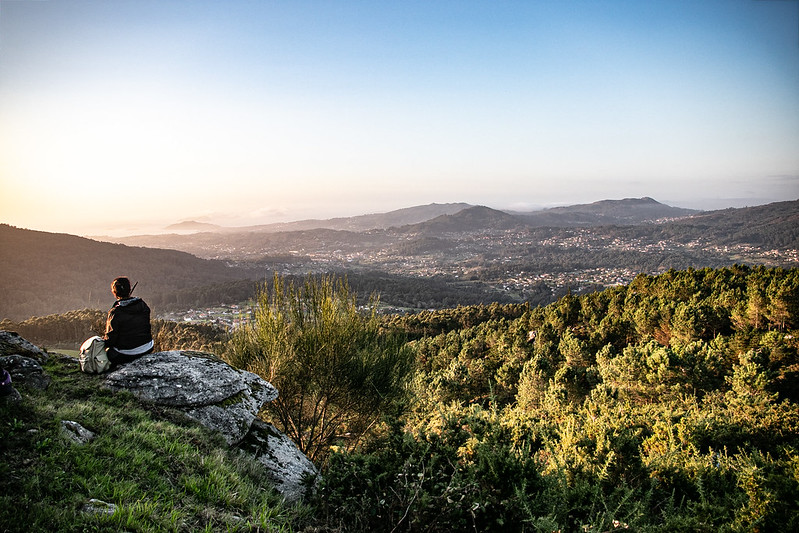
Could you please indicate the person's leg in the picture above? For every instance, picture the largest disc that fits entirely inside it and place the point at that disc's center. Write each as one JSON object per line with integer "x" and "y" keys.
{"x": 117, "y": 358}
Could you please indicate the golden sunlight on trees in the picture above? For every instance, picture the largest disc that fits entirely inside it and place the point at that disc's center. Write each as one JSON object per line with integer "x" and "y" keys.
{"x": 336, "y": 370}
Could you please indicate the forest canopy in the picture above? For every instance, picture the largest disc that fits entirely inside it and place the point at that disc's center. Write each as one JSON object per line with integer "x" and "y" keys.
{"x": 669, "y": 404}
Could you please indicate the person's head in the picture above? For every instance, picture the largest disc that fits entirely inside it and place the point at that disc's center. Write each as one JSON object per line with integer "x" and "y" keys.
{"x": 121, "y": 287}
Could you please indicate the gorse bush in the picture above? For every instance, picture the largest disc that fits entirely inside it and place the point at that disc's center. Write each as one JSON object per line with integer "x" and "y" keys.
{"x": 670, "y": 404}
{"x": 666, "y": 405}
{"x": 336, "y": 369}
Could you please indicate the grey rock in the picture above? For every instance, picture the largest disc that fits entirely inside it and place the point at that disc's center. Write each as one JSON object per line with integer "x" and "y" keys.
{"x": 95, "y": 506}
{"x": 293, "y": 474}
{"x": 224, "y": 399}
{"x": 11, "y": 343}
{"x": 76, "y": 433}
{"x": 25, "y": 371}
{"x": 203, "y": 386}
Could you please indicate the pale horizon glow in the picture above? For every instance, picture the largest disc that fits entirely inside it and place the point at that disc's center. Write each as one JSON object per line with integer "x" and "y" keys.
{"x": 252, "y": 112}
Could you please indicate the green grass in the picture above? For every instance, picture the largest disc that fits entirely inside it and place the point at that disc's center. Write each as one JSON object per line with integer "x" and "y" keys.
{"x": 162, "y": 471}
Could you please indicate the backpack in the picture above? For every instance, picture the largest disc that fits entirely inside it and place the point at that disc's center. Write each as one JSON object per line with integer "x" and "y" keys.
{"x": 93, "y": 359}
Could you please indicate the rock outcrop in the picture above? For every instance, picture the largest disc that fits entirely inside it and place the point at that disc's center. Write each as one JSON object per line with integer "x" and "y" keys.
{"x": 12, "y": 344}
{"x": 21, "y": 359}
{"x": 221, "y": 398}
{"x": 25, "y": 370}
{"x": 203, "y": 386}
{"x": 199, "y": 384}
{"x": 75, "y": 433}
{"x": 289, "y": 469}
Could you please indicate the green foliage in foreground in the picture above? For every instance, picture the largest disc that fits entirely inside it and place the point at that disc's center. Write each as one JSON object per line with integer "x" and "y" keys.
{"x": 671, "y": 404}
{"x": 162, "y": 472}
{"x": 336, "y": 370}
{"x": 667, "y": 405}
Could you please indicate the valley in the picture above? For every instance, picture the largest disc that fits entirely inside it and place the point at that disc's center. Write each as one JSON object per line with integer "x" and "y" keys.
{"x": 506, "y": 258}
{"x": 428, "y": 257}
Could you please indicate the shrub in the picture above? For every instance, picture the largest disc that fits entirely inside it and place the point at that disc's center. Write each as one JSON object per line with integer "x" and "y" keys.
{"x": 336, "y": 370}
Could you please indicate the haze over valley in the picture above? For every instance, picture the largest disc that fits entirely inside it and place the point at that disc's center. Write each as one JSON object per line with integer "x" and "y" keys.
{"x": 422, "y": 257}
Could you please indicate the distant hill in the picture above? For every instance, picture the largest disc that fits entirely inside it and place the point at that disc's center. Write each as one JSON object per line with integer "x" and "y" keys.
{"x": 628, "y": 211}
{"x": 645, "y": 218}
{"x": 49, "y": 273}
{"x": 605, "y": 212}
{"x": 193, "y": 225}
{"x": 477, "y": 218}
{"x": 44, "y": 273}
{"x": 253, "y": 244}
{"x": 774, "y": 225}
{"x": 433, "y": 218}
{"x": 439, "y": 260}
{"x": 399, "y": 217}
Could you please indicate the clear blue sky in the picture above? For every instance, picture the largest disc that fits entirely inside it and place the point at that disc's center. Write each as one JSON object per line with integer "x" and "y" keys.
{"x": 241, "y": 112}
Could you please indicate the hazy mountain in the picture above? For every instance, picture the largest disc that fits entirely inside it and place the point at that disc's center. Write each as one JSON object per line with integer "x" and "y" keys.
{"x": 193, "y": 225}
{"x": 606, "y": 213}
{"x": 399, "y": 217}
{"x": 254, "y": 244}
{"x": 43, "y": 273}
{"x": 478, "y": 218}
{"x": 431, "y": 220}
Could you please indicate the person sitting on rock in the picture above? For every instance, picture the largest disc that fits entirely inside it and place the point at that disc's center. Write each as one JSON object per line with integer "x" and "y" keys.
{"x": 127, "y": 331}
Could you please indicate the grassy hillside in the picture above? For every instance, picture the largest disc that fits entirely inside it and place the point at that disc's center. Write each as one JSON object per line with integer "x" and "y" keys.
{"x": 160, "y": 470}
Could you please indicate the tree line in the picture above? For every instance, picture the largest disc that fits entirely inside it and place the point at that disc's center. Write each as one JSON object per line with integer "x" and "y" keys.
{"x": 669, "y": 404}
{"x": 69, "y": 330}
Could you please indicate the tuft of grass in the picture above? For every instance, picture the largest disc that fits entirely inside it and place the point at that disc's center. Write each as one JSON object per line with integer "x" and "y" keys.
{"x": 161, "y": 471}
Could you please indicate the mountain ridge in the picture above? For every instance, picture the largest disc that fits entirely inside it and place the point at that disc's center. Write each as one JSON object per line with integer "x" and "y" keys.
{"x": 193, "y": 225}
{"x": 397, "y": 217}
{"x": 431, "y": 219}
{"x": 608, "y": 211}
{"x": 471, "y": 219}
{"x": 474, "y": 250}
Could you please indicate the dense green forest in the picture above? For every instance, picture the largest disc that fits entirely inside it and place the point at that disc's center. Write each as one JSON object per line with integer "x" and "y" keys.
{"x": 669, "y": 404}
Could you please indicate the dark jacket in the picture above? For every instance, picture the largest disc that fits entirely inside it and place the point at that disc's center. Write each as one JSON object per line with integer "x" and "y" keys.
{"x": 128, "y": 324}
